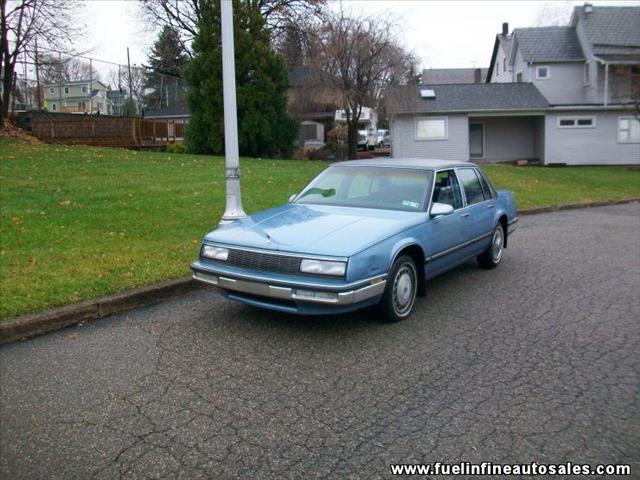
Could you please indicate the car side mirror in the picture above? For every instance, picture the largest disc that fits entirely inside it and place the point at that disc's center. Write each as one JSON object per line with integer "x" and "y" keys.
{"x": 292, "y": 197}
{"x": 439, "y": 209}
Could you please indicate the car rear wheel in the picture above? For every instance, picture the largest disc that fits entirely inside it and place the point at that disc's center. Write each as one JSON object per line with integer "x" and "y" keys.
{"x": 400, "y": 294}
{"x": 491, "y": 257}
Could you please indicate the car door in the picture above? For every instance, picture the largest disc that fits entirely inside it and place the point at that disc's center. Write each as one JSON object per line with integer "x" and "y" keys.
{"x": 444, "y": 232}
{"x": 478, "y": 213}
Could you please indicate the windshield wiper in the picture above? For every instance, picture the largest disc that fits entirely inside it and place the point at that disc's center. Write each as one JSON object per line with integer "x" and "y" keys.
{"x": 325, "y": 192}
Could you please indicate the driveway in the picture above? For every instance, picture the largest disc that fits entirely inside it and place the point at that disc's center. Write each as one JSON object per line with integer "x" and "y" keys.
{"x": 535, "y": 361}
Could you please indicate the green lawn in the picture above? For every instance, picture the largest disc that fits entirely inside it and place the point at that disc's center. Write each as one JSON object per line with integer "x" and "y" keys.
{"x": 81, "y": 222}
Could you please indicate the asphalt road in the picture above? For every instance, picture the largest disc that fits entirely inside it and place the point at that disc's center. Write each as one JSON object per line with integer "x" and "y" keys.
{"x": 538, "y": 360}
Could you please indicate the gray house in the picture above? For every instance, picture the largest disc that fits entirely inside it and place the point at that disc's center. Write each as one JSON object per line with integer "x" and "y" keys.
{"x": 555, "y": 95}
{"x": 439, "y": 76}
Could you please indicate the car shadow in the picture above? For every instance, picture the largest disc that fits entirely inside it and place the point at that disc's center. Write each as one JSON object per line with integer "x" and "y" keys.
{"x": 366, "y": 318}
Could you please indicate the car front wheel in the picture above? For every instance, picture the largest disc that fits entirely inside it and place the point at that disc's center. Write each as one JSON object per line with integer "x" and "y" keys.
{"x": 400, "y": 294}
{"x": 491, "y": 257}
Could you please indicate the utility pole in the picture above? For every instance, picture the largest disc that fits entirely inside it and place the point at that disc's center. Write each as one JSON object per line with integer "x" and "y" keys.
{"x": 130, "y": 91}
{"x": 90, "y": 86}
{"x": 60, "y": 81}
{"x": 233, "y": 210}
{"x": 38, "y": 101}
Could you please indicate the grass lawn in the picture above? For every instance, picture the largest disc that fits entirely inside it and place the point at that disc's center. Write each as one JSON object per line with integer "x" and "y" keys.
{"x": 80, "y": 222}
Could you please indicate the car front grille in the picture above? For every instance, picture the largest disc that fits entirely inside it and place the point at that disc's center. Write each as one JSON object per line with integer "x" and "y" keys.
{"x": 265, "y": 262}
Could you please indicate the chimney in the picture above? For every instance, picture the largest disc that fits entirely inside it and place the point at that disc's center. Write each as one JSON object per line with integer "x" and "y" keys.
{"x": 588, "y": 7}
{"x": 477, "y": 75}
{"x": 505, "y": 29}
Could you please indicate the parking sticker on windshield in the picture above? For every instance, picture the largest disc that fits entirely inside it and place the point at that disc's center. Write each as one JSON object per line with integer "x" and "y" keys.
{"x": 409, "y": 203}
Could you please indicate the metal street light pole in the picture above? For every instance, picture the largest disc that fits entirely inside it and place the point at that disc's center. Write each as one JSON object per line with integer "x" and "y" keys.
{"x": 233, "y": 210}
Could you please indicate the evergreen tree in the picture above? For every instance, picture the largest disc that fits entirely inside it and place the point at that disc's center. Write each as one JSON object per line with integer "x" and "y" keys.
{"x": 166, "y": 63}
{"x": 264, "y": 127}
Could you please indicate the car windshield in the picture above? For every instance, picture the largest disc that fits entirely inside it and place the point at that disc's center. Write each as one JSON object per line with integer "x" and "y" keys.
{"x": 369, "y": 187}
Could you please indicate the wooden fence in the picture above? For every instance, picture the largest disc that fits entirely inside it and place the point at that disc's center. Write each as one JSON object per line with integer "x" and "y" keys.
{"x": 105, "y": 130}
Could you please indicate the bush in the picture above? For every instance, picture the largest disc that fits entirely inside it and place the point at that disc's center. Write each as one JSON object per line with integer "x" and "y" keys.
{"x": 176, "y": 147}
{"x": 337, "y": 136}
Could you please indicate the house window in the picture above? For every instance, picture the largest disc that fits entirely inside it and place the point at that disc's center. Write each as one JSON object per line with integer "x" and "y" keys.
{"x": 519, "y": 77}
{"x": 54, "y": 107}
{"x": 543, "y": 72}
{"x": 51, "y": 90}
{"x": 504, "y": 64}
{"x": 66, "y": 90}
{"x": 431, "y": 129}
{"x": 628, "y": 130}
{"x": 587, "y": 74}
{"x": 84, "y": 89}
{"x": 576, "y": 122}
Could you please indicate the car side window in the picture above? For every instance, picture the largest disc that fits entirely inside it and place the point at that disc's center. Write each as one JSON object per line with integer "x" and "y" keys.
{"x": 447, "y": 189}
{"x": 472, "y": 187}
{"x": 486, "y": 188}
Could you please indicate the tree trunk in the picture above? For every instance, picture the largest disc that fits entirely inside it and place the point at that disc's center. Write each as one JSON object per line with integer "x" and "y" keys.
{"x": 352, "y": 139}
{"x": 7, "y": 85}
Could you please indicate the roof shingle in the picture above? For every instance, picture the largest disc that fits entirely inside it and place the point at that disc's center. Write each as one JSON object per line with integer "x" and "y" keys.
{"x": 548, "y": 44}
{"x": 466, "y": 97}
{"x": 612, "y": 32}
{"x": 439, "y": 76}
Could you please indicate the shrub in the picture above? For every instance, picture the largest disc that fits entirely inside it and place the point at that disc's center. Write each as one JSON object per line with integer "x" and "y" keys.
{"x": 176, "y": 147}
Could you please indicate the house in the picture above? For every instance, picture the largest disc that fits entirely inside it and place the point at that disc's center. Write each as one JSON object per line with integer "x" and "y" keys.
{"x": 554, "y": 95}
{"x": 78, "y": 96}
{"x": 442, "y": 76}
{"x": 118, "y": 100}
{"x": 477, "y": 121}
{"x": 313, "y": 104}
{"x": 174, "y": 114}
{"x": 318, "y": 107}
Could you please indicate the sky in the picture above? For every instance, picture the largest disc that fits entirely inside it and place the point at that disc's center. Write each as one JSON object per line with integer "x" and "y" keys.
{"x": 442, "y": 34}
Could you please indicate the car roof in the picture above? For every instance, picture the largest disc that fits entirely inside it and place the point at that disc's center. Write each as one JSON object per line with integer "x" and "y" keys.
{"x": 421, "y": 163}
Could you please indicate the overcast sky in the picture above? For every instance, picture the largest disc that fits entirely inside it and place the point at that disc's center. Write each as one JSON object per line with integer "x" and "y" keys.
{"x": 441, "y": 34}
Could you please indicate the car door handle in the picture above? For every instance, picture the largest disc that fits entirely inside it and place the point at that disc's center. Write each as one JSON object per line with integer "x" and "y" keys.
{"x": 464, "y": 215}
{"x": 491, "y": 206}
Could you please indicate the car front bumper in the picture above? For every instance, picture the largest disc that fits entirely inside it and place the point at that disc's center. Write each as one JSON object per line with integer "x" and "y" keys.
{"x": 282, "y": 293}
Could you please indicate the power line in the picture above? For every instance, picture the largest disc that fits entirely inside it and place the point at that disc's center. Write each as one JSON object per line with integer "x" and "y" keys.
{"x": 95, "y": 59}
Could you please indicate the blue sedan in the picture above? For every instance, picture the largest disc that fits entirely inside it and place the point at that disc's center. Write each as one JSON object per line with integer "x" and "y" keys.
{"x": 362, "y": 233}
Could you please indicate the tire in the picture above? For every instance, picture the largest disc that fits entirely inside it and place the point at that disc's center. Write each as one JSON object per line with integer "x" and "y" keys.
{"x": 491, "y": 257}
{"x": 399, "y": 296}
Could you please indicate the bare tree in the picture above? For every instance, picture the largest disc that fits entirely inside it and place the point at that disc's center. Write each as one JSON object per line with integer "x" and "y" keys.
{"x": 554, "y": 14}
{"x": 54, "y": 69}
{"x": 624, "y": 87}
{"x": 359, "y": 56}
{"x": 136, "y": 94}
{"x": 183, "y": 16}
{"x": 21, "y": 22}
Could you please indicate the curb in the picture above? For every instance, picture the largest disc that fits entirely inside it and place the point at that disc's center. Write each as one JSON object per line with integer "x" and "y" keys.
{"x": 50, "y": 320}
{"x": 573, "y": 206}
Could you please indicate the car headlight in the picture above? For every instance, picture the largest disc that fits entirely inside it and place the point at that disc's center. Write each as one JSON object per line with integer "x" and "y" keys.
{"x": 216, "y": 253}
{"x": 323, "y": 267}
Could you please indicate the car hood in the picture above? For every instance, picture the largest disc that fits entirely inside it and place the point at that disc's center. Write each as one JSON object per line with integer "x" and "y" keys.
{"x": 314, "y": 229}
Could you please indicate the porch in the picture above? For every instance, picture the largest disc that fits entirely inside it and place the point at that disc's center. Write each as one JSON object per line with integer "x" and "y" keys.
{"x": 506, "y": 138}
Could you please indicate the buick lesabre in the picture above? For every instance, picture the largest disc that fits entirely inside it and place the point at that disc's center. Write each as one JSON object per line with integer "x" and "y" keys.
{"x": 362, "y": 233}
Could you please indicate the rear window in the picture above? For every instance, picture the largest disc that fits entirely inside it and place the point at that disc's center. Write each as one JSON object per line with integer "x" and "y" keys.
{"x": 471, "y": 184}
